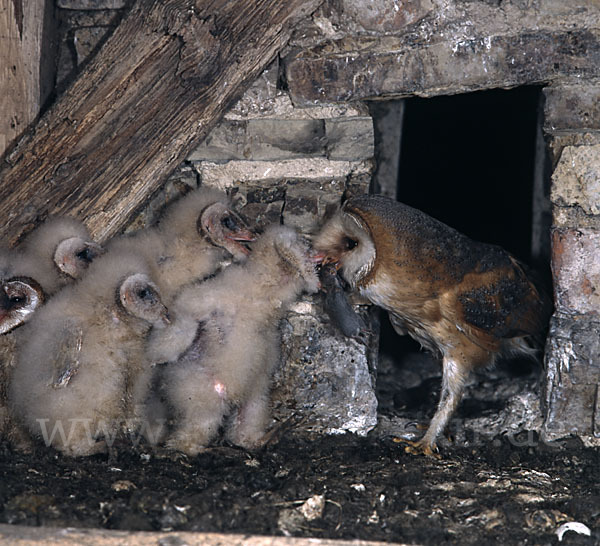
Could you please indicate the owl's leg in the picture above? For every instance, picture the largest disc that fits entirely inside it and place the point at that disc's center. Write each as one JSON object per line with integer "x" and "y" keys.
{"x": 199, "y": 413}
{"x": 197, "y": 429}
{"x": 250, "y": 421}
{"x": 453, "y": 381}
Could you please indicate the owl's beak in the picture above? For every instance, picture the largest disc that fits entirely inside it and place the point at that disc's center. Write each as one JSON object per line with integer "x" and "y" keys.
{"x": 318, "y": 257}
{"x": 325, "y": 259}
{"x": 242, "y": 235}
{"x": 165, "y": 317}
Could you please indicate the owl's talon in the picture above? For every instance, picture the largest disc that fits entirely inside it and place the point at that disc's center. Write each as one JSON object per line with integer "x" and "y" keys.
{"x": 420, "y": 448}
{"x": 417, "y": 425}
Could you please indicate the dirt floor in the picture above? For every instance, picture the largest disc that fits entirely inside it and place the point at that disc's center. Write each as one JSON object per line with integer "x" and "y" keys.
{"x": 334, "y": 487}
{"x": 508, "y": 489}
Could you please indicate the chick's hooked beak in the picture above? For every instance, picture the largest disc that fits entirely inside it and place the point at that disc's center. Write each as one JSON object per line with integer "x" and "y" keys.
{"x": 237, "y": 232}
{"x": 322, "y": 258}
{"x": 165, "y": 316}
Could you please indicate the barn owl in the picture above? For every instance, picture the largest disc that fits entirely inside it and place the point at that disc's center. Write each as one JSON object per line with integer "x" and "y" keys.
{"x": 466, "y": 301}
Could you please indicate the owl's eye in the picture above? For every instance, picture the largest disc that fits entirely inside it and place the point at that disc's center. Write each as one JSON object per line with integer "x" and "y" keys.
{"x": 229, "y": 223}
{"x": 146, "y": 294}
{"x": 85, "y": 255}
{"x": 17, "y": 299}
{"x": 349, "y": 243}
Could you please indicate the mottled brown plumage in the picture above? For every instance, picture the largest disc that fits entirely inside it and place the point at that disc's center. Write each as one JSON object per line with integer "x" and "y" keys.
{"x": 467, "y": 301}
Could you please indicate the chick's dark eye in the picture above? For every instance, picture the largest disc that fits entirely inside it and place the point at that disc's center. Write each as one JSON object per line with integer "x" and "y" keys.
{"x": 349, "y": 243}
{"x": 85, "y": 255}
{"x": 229, "y": 223}
{"x": 16, "y": 300}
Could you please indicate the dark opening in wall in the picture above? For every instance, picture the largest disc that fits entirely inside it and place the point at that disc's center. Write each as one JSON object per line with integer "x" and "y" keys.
{"x": 470, "y": 161}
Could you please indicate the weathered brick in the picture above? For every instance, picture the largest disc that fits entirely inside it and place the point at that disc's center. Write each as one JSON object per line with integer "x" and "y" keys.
{"x": 350, "y": 139}
{"x": 383, "y": 15}
{"x": 571, "y": 385}
{"x": 576, "y": 270}
{"x": 576, "y": 179}
{"x": 572, "y": 107}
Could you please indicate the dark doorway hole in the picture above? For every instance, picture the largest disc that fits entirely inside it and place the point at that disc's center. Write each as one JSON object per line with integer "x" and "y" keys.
{"x": 470, "y": 161}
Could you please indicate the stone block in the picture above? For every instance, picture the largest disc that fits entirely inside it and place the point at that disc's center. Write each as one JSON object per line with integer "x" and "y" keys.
{"x": 576, "y": 270}
{"x": 273, "y": 139}
{"x": 269, "y": 173}
{"x": 572, "y": 107}
{"x": 570, "y": 389}
{"x": 326, "y": 380}
{"x": 576, "y": 179}
{"x": 87, "y": 40}
{"x": 262, "y": 140}
{"x": 350, "y": 139}
{"x": 558, "y": 141}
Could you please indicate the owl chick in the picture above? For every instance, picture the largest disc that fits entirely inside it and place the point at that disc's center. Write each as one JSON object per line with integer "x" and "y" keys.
{"x": 467, "y": 301}
{"x": 55, "y": 253}
{"x": 224, "y": 344}
{"x": 75, "y": 379}
{"x": 191, "y": 240}
{"x": 19, "y": 299}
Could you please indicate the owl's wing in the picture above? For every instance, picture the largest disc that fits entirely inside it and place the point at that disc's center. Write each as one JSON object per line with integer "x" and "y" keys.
{"x": 66, "y": 363}
{"x": 398, "y": 324}
{"x": 505, "y": 304}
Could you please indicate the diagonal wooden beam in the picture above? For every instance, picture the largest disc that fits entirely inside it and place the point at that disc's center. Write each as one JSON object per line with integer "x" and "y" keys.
{"x": 153, "y": 92}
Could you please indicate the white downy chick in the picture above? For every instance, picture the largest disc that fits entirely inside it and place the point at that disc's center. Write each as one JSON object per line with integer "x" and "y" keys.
{"x": 192, "y": 239}
{"x": 57, "y": 252}
{"x": 80, "y": 359}
{"x": 19, "y": 299}
{"x": 225, "y": 342}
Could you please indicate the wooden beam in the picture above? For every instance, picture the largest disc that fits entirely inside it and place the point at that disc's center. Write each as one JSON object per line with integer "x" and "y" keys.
{"x": 26, "y": 35}
{"x": 155, "y": 89}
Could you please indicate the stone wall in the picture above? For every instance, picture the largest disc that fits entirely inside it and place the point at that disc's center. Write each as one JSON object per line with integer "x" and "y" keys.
{"x": 571, "y": 394}
{"x": 300, "y": 139}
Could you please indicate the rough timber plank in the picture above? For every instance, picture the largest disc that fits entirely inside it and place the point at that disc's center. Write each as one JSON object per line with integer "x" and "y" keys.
{"x": 26, "y": 32}
{"x": 155, "y": 89}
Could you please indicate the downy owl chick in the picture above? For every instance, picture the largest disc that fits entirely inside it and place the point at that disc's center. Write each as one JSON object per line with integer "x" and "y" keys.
{"x": 19, "y": 299}
{"x": 224, "y": 344}
{"x": 80, "y": 358}
{"x": 194, "y": 236}
{"x": 56, "y": 253}
{"x": 467, "y": 301}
